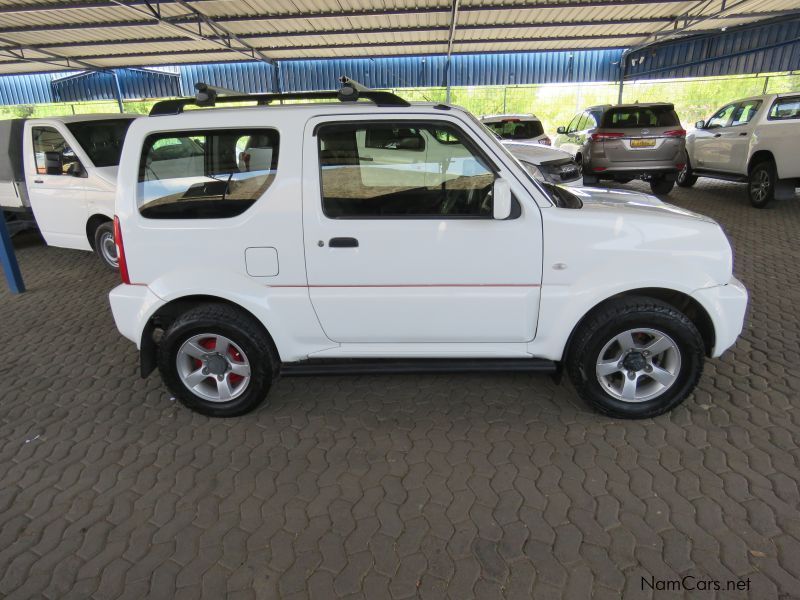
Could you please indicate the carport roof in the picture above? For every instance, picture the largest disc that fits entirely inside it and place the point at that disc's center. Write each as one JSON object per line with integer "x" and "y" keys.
{"x": 46, "y": 35}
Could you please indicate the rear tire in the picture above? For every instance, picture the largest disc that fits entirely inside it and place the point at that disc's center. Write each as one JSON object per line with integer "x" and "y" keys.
{"x": 686, "y": 178}
{"x": 238, "y": 378}
{"x": 661, "y": 186}
{"x": 761, "y": 184}
{"x": 593, "y": 360}
{"x": 104, "y": 245}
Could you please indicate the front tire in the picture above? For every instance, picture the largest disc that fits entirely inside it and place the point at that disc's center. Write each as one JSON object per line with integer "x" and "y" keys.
{"x": 217, "y": 360}
{"x": 761, "y": 184}
{"x": 104, "y": 245}
{"x": 686, "y": 178}
{"x": 661, "y": 186}
{"x": 635, "y": 358}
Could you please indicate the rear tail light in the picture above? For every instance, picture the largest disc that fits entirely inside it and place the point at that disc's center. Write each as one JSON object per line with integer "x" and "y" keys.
{"x": 676, "y": 133}
{"x": 599, "y": 169}
{"x": 601, "y": 137}
{"x": 123, "y": 265}
{"x": 545, "y": 141}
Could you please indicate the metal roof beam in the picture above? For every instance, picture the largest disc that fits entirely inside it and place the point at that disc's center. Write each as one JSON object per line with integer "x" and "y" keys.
{"x": 50, "y": 58}
{"x": 222, "y": 37}
{"x": 578, "y": 38}
{"x": 691, "y": 20}
{"x": 264, "y": 35}
{"x": 444, "y": 7}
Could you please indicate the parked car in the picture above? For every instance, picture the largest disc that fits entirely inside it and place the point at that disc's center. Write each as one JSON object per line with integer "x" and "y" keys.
{"x": 755, "y": 140}
{"x": 381, "y": 236}
{"x": 63, "y": 171}
{"x": 548, "y": 165}
{"x": 573, "y": 137}
{"x": 520, "y": 128}
{"x": 629, "y": 141}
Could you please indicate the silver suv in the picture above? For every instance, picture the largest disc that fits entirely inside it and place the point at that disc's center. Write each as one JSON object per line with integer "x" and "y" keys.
{"x": 634, "y": 141}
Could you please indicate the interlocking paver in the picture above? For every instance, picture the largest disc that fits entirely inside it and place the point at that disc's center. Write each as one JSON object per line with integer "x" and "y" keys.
{"x": 394, "y": 487}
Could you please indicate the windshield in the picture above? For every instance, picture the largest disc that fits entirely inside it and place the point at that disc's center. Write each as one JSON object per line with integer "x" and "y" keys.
{"x": 101, "y": 140}
{"x": 516, "y": 129}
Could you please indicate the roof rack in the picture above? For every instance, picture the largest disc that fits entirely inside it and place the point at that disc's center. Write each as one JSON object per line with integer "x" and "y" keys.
{"x": 208, "y": 96}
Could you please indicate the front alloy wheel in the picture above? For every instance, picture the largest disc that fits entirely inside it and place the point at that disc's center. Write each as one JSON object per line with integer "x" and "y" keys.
{"x": 635, "y": 357}
{"x": 638, "y": 365}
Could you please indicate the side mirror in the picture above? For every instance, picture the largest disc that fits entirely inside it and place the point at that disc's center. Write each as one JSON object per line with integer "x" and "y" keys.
{"x": 700, "y": 124}
{"x": 501, "y": 196}
{"x": 561, "y": 130}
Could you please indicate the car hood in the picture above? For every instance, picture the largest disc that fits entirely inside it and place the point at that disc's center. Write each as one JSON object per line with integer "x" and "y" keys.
{"x": 534, "y": 152}
{"x": 634, "y": 202}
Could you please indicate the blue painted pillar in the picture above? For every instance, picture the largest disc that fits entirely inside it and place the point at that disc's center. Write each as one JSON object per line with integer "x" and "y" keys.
{"x": 8, "y": 259}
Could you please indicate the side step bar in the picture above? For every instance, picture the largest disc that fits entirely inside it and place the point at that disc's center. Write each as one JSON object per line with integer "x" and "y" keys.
{"x": 359, "y": 366}
{"x": 719, "y": 175}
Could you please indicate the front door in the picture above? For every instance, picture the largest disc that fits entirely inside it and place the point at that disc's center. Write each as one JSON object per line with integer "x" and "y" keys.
{"x": 56, "y": 189}
{"x": 711, "y": 146}
{"x": 400, "y": 242}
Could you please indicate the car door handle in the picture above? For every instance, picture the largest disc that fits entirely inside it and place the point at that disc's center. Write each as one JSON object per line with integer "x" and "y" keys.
{"x": 343, "y": 242}
{"x": 717, "y": 135}
{"x": 743, "y": 133}
{"x": 38, "y": 181}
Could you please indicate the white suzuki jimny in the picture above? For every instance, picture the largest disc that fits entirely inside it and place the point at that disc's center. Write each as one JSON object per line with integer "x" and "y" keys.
{"x": 361, "y": 234}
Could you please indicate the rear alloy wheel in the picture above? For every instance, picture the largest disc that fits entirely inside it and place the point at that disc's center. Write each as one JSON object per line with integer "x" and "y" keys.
{"x": 761, "y": 185}
{"x": 636, "y": 358}
{"x": 661, "y": 186}
{"x": 104, "y": 245}
{"x": 217, "y": 360}
{"x": 686, "y": 178}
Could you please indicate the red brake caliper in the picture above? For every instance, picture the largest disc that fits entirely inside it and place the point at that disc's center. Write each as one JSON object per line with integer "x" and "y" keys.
{"x": 233, "y": 378}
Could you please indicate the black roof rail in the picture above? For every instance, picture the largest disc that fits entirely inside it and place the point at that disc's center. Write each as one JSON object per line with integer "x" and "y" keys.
{"x": 351, "y": 91}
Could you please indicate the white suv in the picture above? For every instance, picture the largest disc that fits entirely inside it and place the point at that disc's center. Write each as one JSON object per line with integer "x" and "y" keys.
{"x": 379, "y": 236}
{"x": 755, "y": 140}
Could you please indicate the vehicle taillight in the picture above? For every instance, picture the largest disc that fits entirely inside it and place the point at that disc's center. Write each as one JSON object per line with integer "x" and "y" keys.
{"x": 601, "y": 136}
{"x": 676, "y": 133}
{"x": 545, "y": 141}
{"x": 123, "y": 265}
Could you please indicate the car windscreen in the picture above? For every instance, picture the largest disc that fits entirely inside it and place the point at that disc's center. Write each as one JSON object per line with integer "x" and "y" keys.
{"x": 101, "y": 140}
{"x": 516, "y": 129}
{"x": 640, "y": 116}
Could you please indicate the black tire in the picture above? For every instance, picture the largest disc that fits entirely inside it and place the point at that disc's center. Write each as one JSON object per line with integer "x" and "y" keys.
{"x": 104, "y": 245}
{"x": 614, "y": 318}
{"x": 245, "y": 332}
{"x": 761, "y": 184}
{"x": 686, "y": 178}
{"x": 661, "y": 186}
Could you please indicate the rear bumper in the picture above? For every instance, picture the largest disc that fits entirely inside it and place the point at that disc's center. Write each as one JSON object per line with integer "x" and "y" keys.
{"x": 132, "y": 306}
{"x": 726, "y": 305}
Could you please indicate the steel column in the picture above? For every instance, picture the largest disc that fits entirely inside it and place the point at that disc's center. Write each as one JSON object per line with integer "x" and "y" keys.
{"x": 9, "y": 260}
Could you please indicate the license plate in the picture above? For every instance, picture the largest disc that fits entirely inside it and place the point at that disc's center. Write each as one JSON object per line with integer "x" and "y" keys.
{"x": 642, "y": 143}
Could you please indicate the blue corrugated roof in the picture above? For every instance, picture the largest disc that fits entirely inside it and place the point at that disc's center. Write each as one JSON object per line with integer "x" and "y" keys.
{"x": 771, "y": 47}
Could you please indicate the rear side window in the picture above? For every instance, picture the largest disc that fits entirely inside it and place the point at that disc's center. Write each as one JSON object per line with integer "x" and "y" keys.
{"x": 640, "y": 116}
{"x": 785, "y": 108}
{"x": 447, "y": 178}
{"x": 517, "y": 129}
{"x": 205, "y": 174}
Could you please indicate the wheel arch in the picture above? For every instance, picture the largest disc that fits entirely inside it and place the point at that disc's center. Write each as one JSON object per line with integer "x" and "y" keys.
{"x": 166, "y": 314}
{"x": 678, "y": 300}
{"x": 92, "y": 224}
{"x": 758, "y": 157}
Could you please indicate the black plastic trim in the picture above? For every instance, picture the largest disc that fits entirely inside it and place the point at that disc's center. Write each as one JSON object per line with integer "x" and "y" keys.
{"x": 354, "y": 366}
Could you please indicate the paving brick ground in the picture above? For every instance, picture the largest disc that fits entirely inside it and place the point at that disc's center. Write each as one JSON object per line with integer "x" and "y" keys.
{"x": 394, "y": 487}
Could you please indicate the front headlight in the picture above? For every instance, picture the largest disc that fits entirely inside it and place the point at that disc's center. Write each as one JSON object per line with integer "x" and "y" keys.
{"x": 536, "y": 172}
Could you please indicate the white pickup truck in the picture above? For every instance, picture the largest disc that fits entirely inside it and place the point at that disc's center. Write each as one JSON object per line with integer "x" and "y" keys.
{"x": 64, "y": 171}
{"x": 384, "y": 236}
{"x": 755, "y": 140}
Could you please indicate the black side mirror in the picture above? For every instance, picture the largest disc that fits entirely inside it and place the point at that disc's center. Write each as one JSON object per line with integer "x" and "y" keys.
{"x": 76, "y": 170}
{"x": 561, "y": 129}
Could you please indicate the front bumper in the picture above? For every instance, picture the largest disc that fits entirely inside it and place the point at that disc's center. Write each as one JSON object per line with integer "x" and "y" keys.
{"x": 132, "y": 306}
{"x": 726, "y": 305}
